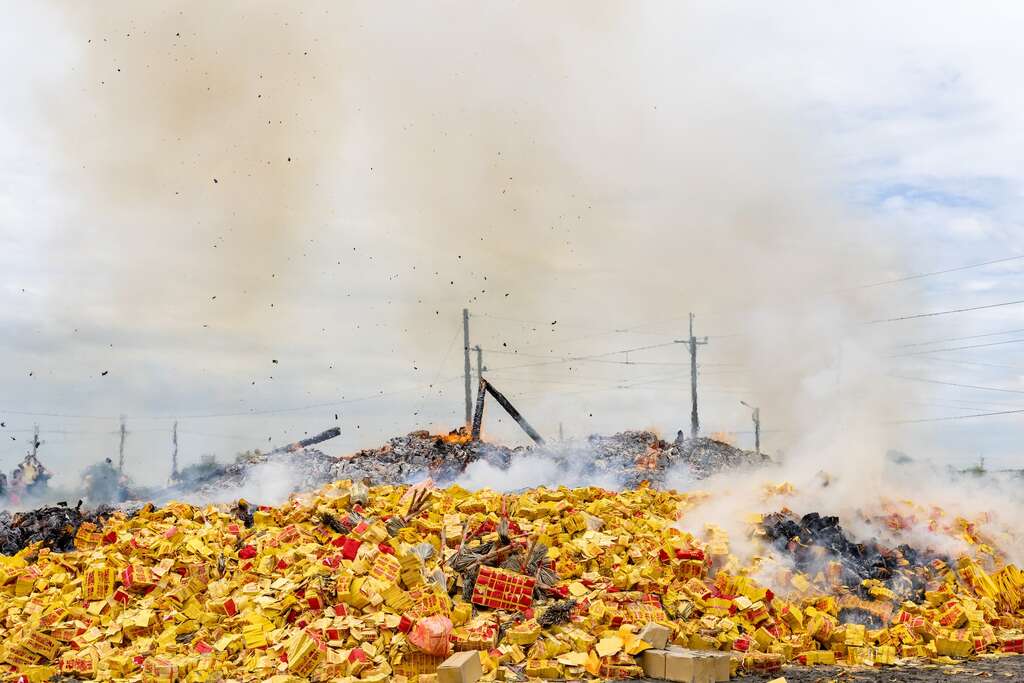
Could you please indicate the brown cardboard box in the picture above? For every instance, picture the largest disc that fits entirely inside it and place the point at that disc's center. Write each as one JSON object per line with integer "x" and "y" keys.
{"x": 703, "y": 667}
{"x": 680, "y": 665}
{"x": 653, "y": 663}
{"x": 656, "y": 634}
{"x": 461, "y": 667}
{"x": 721, "y": 665}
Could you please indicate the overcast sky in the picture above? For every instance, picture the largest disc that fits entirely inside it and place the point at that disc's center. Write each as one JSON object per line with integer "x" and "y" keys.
{"x": 263, "y": 221}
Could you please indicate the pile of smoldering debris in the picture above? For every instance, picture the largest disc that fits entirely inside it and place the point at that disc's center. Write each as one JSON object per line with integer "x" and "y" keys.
{"x": 631, "y": 457}
{"x": 420, "y": 454}
{"x": 628, "y": 458}
{"x": 54, "y": 526}
{"x": 818, "y": 544}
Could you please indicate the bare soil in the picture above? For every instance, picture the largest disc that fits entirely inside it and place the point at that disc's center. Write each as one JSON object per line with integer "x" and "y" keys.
{"x": 1009, "y": 668}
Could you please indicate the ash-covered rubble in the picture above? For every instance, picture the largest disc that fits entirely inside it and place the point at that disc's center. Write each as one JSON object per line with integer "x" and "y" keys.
{"x": 421, "y": 454}
{"x": 305, "y": 469}
{"x": 706, "y": 457}
{"x": 54, "y": 526}
{"x": 817, "y": 543}
{"x": 631, "y": 457}
{"x": 628, "y": 458}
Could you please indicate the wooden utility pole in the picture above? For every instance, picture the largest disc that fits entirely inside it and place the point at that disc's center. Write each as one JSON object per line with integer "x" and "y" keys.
{"x": 694, "y": 419}
{"x": 120, "y": 451}
{"x": 757, "y": 430}
{"x": 479, "y": 361}
{"x": 35, "y": 440}
{"x": 755, "y": 415}
{"x": 469, "y": 381}
{"x": 174, "y": 453}
{"x": 487, "y": 388}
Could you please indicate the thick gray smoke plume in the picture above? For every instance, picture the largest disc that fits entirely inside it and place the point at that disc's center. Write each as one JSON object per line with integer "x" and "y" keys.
{"x": 196, "y": 135}
{"x": 594, "y": 164}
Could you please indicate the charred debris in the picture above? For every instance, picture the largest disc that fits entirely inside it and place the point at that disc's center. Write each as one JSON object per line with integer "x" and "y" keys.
{"x": 869, "y": 569}
{"x": 628, "y": 458}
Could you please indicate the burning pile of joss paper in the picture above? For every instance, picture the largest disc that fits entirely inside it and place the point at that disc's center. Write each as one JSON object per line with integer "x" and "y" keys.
{"x": 385, "y": 583}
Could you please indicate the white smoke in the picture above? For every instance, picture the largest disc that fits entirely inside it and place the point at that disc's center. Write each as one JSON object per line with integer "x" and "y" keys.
{"x": 534, "y": 470}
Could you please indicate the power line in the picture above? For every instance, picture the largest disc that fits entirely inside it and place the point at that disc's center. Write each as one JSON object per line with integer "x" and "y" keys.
{"x": 953, "y": 339}
{"x": 952, "y": 361}
{"x": 934, "y": 313}
{"x": 67, "y": 416}
{"x": 974, "y": 405}
{"x": 957, "y": 348}
{"x": 599, "y": 332}
{"x": 440, "y": 368}
{"x": 572, "y": 359}
{"x": 918, "y": 276}
{"x": 961, "y": 386}
{"x": 950, "y": 406}
{"x": 955, "y": 417}
{"x": 272, "y": 411}
{"x": 236, "y": 437}
{"x": 610, "y": 362}
{"x": 545, "y": 323}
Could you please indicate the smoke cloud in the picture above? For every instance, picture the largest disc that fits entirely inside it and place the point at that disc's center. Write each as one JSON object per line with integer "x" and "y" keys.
{"x": 194, "y": 135}
{"x": 587, "y": 166}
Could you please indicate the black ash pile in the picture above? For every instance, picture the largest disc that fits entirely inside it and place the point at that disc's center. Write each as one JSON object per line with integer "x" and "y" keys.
{"x": 817, "y": 543}
{"x": 705, "y": 457}
{"x": 54, "y": 527}
{"x": 418, "y": 455}
{"x": 632, "y": 457}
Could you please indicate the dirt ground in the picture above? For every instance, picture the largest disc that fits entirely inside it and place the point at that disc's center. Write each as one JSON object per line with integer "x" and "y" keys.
{"x": 995, "y": 669}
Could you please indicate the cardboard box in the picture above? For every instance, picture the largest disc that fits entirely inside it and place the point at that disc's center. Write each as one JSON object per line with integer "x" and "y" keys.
{"x": 721, "y": 665}
{"x": 461, "y": 667}
{"x": 680, "y": 665}
{"x": 705, "y": 668}
{"x": 656, "y": 634}
{"x": 653, "y": 663}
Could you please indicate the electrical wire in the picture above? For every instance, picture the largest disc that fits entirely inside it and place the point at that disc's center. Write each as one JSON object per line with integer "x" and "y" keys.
{"x": 918, "y": 276}
{"x": 294, "y": 409}
{"x": 961, "y": 386}
{"x": 957, "y": 348}
{"x": 573, "y": 359}
{"x": 952, "y": 361}
{"x": 955, "y": 417}
{"x": 935, "y": 313}
{"x": 953, "y": 339}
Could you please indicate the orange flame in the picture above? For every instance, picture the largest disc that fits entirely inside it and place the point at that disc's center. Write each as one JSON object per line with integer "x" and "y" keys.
{"x": 457, "y": 436}
{"x": 724, "y": 437}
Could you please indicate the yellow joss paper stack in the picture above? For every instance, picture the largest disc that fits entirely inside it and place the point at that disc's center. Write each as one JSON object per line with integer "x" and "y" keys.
{"x": 345, "y": 584}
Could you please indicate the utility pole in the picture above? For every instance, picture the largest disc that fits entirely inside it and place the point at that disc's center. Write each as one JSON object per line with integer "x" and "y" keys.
{"x": 120, "y": 452}
{"x": 561, "y": 436}
{"x": 35, "y": 441}
{"x": 174, "y": 453}
{"x": 469, "y": 381}
{"x": 756, "y": 417}
{"x": 479, "y": 362}
{"x": 693, "y": 343}
{"x": 757, "y": 430}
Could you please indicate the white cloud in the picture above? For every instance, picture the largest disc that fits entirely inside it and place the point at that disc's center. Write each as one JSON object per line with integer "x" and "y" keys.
{"x": 970, "y": 228}
{"x": 979, "y": 285}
